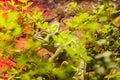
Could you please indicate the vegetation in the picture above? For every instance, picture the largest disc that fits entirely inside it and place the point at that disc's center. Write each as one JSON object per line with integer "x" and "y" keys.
{"x": 31, "y": 49}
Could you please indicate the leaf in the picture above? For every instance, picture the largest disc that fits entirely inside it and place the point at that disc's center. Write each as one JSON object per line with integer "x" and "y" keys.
{"x": 54, "y": 27}
{"x": 4, "y": 0}
{"x": 2, "y": 19}
{"x": 12, "y": 16}
{"x": 28, "y": 5}
{"x": 43, "y": 67}
{"x": 38, "y": 16}
{"x": 20, "y": 44}
{"x": 31, "y": 44}
{"x": 39, "y": 25}
{"x": 102, "y": 19}
{"x": 72, "y": 6}
{"x": 93, "y": 26}
{"x": 59, "y": 73}
{"x": 113, "y": 75}
{"x": 15, "y": 28}
{"x": 64, "y": 38}
{"x": 11, "y": 2}
{"x": 70, "y": 51}
{"x": 45, "y": 24}
{"x": 102, "y": 42}
{"x": 26, "y": 30}
{"x": 22, "y": 60}
{"x": 6, "y": 36}
{"x": 23, "y": 1}
{"x": 17, "y": 31}
{"x": 42, "y": 25}
{"x": 107, "y": 54}
{"x": 78, "y": 20}
{"x": 107, "y": 28}
{"x": 6, "y": 63}
{"x": 2, "y": 44}
{"x": 43, "y": 52}
{"x": 101, "y": 9}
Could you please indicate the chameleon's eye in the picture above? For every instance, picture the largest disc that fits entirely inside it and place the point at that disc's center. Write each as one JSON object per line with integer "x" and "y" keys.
{"x": 41, "y": 35}
{"x": 44, "y": 34}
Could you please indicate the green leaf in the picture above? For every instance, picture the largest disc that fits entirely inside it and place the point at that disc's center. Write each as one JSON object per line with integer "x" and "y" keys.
{"x": 6, "y": 36}
{"x": 23, "y": 1}
{"x": 26, "y": 6}
{"x": 101, "y": 9}
{"x": 12, "y": 2}
{"x": 94, "y": 11}
{"x": 15, "y": 28}
{"x": 93, "y": 26}
{"x": 38, "y": 16}
{"x": 72, "y": 6}
{"x": 2, "y": 19}
{"x": 59, "y": 73}
{"x": 102, "y": 19}
{"x": 54, "y": 27}
{"x": 37, "y": 43}
{"x": 107, "y": 28}
{"x": 39, "y": 25}
{"x": 113, "y": 76}
{"x": 1, "y": 34}
{"x": 12, "y": 16}
{"x": 70, "y": 51}
{"x": 22, "y": 60}
{"x": 45, "y": 25}
{"x": 107, "y": 54}
{"x": 78, "y": 20}
{"x": 42, "y": 25}
{"x": 44, "y": 67}
{"x": 64, "y": 38}
{"x": 2, "y": 44}
{"x": 102, "y": 42}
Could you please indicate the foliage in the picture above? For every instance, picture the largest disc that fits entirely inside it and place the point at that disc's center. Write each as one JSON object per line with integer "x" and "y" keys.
{"x": 31, "y": 49}
{"x": 96, "y": 32}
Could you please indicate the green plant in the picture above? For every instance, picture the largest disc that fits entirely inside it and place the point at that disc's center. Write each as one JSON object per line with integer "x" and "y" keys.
{"x": 17, "y": 33}
{"x": 35, "y": 50}
{"x": 17, "y": 29}
{"x": 96, "y": 33}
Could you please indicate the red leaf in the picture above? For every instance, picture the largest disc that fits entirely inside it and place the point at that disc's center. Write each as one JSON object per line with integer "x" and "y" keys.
{"x": 4, "y": 76}
{"x": 8, "y": 0}
{"x": 4, "y": 0}
{"x": 21, "y": 44}
{"x": 6, "y": 63}
{"x": 43, "y": 52}
{"x": 26, "y": 30}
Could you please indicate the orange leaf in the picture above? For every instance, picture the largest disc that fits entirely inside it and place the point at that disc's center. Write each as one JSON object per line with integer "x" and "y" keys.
{"x": 21, "y": 44}
{"x": 4, "y": 0}
{"x": 43, "y": 52}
